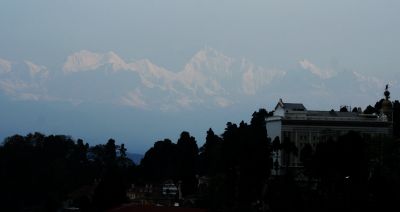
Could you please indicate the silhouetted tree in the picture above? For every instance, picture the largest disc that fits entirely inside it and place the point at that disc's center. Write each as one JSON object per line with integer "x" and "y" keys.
{"x": 122, "y": 159}
{"x": 245, "y": 164}
{"x": 161, "y": 161}
{"x": 370, "y": 110}
{"x": 385, "y": 182}
{"x": 209, "y": 154}
{"x": 111, "y": 189}
{"x": 38, "y": 171}
{"x": 342, "y": 169}
{"x": 110, "y": 153}
{"x": 378, "y": 106}
{"x": 344, "y": 109}
{"x": 188, "y": 153}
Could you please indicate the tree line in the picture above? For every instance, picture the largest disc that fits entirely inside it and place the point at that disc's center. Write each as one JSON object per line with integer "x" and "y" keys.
{"x": 39, "y": 172}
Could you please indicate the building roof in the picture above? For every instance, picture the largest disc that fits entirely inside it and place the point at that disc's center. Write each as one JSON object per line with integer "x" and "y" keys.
{"x": 332, "y": 113}
{"x": 294, "y": 106}
{"x": 291, "y": 106}
{"x": 292, "y": 113}
{"x": 315, "y": 114}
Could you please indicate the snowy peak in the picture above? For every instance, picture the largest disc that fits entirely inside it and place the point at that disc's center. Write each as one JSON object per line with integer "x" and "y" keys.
{"x": 117, "y": 62}
{"x": 24, "y": 81}
{"x": 209, "y": 61}
{"x": 314, "y": 69}
{"x": 83, "y": 61}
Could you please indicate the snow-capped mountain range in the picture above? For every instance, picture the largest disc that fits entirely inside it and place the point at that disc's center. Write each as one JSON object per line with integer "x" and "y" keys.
{"x": 209, "y": 79}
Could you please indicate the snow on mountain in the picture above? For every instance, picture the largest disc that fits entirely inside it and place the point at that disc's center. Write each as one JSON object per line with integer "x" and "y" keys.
{"x": 23, "y": 81}
{"x": 83, "y": 61}
{"x": 5, "y": 66}
{"x": 209, "y": 79}
{"x": 322, "y": 73}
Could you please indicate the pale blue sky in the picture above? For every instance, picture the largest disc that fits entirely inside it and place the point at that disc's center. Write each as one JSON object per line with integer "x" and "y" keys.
{"x": 169, "y": 32}
{"x": 334, "y": 37}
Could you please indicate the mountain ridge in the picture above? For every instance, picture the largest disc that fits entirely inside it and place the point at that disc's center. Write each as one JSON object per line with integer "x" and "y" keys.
{"x": 208, "y": 79}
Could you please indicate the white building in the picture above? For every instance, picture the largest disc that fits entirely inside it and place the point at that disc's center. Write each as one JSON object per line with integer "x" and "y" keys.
{"x": 301, "y": 126}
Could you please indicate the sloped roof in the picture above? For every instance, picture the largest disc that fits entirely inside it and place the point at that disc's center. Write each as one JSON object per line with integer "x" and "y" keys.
{"x": 291, "y": 106}
{"x": 294, "y": 106}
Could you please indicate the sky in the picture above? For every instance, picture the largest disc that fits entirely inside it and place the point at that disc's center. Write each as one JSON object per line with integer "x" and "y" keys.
{"x": 141, "y": 71}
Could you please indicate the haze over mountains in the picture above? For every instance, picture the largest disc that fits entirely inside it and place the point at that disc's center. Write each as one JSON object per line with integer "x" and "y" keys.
{"x": 138, "y": 99}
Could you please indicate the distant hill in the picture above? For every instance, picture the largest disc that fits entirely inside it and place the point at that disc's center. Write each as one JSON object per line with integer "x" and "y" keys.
{"x": 135, "y": 157}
